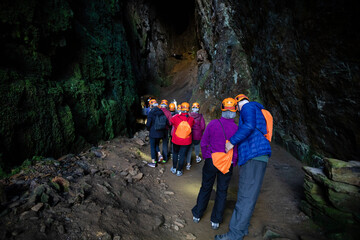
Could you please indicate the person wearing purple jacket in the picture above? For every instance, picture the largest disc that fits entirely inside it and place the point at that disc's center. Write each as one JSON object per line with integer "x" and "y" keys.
{"x": 197, "y": 130}
{"x": 214, "y": 140}
{"x": 165, "y": 139}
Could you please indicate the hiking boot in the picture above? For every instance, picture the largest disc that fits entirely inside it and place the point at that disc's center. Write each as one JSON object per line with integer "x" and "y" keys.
{"x": 179, "y": 173}
{"x": 196, "y": 220}
{"x": 152, "y": 164}
{"x": 188, "y": 167}
{"x": 215, "y": 226}
{"x": 173, "y": 170}
{"x": 198, "y": 159}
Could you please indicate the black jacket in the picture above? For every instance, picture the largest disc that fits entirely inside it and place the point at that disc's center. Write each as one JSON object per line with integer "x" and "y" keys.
{"x": 150, "y": 125}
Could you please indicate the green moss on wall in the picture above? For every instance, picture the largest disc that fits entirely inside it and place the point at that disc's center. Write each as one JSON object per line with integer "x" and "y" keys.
{"x": 66, "y": 79}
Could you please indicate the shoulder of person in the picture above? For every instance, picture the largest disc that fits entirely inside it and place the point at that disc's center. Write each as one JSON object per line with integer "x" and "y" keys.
{"x": 213, "y": 122}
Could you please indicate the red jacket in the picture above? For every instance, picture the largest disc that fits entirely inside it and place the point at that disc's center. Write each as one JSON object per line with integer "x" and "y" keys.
{"x": 175, "y": 121}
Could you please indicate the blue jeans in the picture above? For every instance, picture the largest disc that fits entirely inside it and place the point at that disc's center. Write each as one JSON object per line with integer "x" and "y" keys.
{"x": 165, "y": 143}
{"x": 196, "y": 144}
{"x": 251, "y": 176}
{"x": 179, "y": 154}
{"x": 209, "y": 173}
{"x": 154, "y": 147}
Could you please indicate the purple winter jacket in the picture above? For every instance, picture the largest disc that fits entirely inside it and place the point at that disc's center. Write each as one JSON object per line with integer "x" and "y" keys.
{"x": 199, "y": 125}
{"x": 214, "y": 140}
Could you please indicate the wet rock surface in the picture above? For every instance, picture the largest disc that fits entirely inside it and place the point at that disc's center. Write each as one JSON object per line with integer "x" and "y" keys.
{"x": 331, "y": 202}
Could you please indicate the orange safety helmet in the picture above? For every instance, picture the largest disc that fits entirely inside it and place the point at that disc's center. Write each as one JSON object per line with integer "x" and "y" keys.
{"x": 164, "y": 101}
{"x": 229, "y": 104}
{"x": 152, "y": 101}
{"x": 240, "y": 97}
{"x": 172, "y": 107}
{"x": 185, "y": 106}
{"x": 179, "y": 107}
{"x": 195, "y": 105}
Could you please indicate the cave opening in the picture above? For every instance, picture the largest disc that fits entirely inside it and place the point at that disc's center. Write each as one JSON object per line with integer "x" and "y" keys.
{"x": 163, "y": 39}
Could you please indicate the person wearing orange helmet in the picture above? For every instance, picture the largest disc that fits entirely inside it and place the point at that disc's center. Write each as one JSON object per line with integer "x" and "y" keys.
{"x": 156, "y": 124}
{"x": 172, "y": 108}
{"x": 181, "y": 138}
{"x": 217, "y": 132}
{"x": 165, "y": 139}
{"x": 255, "y": 152}
{"x": 198, "y": 130}
{"x": 178, "y": 109}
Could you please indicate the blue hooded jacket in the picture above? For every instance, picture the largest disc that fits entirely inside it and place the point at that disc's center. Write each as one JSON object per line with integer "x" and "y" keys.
{"x": 250, "y": 134}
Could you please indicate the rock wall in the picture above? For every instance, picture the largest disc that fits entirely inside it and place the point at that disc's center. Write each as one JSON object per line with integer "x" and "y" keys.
{"x": 160, "y": 33}
{"x": 300, "y": 58}
{"x": 66, "y": 77}
{"x": 223, "y": 65}
{"x": 333, "y": 197}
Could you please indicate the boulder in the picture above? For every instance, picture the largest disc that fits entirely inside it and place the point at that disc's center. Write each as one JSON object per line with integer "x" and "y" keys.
{"x": 139, "y": 141}
{"x": 341, "y": 171}
{"x": 319, "y": 176}
{"x": 64, "y": 184}
{"x": 344, "y": 202}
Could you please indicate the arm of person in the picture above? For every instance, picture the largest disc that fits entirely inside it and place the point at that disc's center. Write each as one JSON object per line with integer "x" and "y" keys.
{"x": 248, "y": 115}
{"x": 205, "y": 142}
{"x": 202, "y": 124}
{"x": 149, "y": 120}
{"x": 172, "y": 120}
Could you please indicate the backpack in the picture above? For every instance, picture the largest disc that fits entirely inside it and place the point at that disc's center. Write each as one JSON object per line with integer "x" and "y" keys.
{"x": 269, "y": 124}
{"x": 160, "y": 122}
{"x": 183, "y": 130}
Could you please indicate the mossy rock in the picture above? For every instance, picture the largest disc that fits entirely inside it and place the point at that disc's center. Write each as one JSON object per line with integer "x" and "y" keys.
{"x": 344, "y": 202}
{"x": 318, "y": 175}
{"x": 341, "y": 171}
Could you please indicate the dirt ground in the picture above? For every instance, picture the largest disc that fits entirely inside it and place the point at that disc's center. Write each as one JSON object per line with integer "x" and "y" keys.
{"x": 120, "y": 197}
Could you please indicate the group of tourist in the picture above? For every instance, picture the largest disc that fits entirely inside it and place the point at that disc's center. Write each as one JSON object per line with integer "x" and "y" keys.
{"x": 245, "y": 145}
{"x": 183, "y": 127}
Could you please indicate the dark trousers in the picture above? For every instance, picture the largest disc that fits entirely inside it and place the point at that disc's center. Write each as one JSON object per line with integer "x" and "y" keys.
{"x": 179, "y": 154}
{"x": 251, "y": 176}
{"x": 165, "y": 144}
{"x": 209, "y": 173}
{"x": 154, "y": 147}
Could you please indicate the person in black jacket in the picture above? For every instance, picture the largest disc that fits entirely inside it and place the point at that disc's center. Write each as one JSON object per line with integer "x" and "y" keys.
{"x": 154, "y": 135}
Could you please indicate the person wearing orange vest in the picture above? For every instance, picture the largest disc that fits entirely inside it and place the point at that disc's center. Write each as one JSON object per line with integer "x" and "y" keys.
{"x": 181, "y": 138}
{"x": 165, "y": 139}
{"x": 198, "y": 130}
{"x": 213, "y": 141}
{"x": 254, "y": 152}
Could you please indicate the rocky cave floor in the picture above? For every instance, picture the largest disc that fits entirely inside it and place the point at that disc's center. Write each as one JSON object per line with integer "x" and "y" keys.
{"x": 109, "y": 192}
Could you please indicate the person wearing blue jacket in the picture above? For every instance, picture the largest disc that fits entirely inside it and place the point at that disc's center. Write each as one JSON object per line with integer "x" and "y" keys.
{"x": 154, "y": 135}
{"x": 253, "y": 152}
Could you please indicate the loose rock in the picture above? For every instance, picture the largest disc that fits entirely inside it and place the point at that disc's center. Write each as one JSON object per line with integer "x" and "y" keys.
{"x": 37, "y": 207}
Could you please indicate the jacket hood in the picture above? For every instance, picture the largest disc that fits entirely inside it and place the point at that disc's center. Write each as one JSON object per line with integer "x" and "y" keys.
{"x": 256, "y": 104}
{"x": 157, "y": 111}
